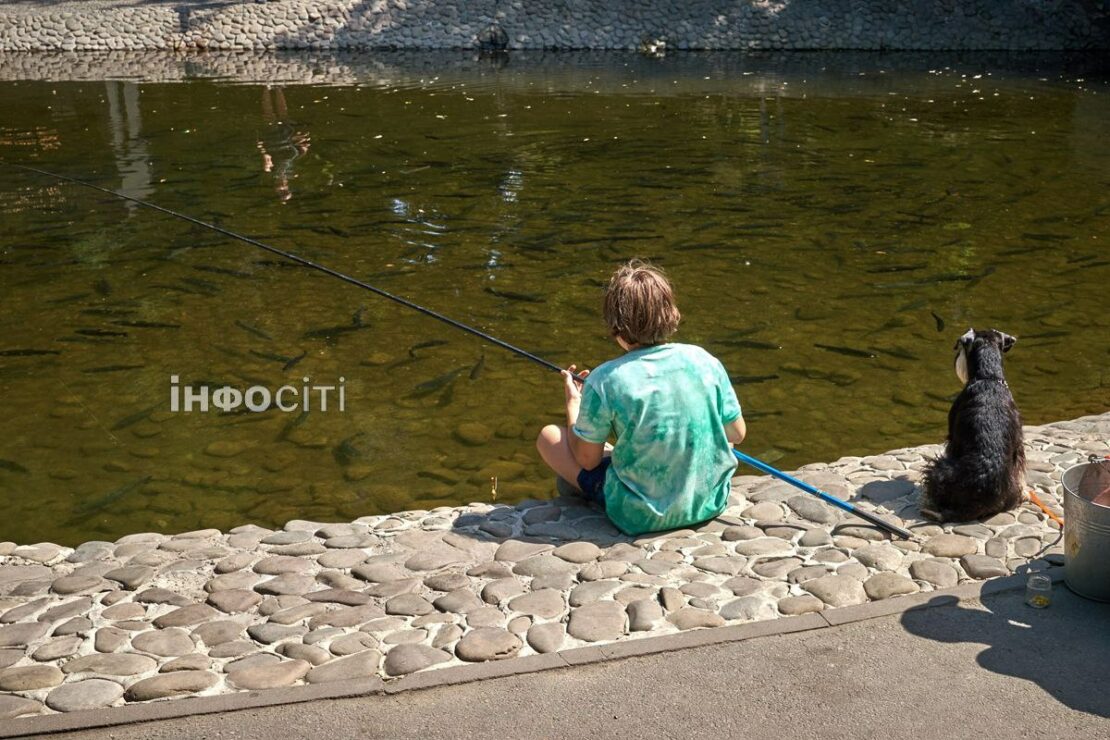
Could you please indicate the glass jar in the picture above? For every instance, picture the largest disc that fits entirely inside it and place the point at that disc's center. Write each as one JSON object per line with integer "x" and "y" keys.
{"x": 1038, "y": 591}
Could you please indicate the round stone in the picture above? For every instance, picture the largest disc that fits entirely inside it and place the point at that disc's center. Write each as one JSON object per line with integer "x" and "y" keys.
{"x": 447, "y": 582}
{"x": 63, "y": 647}
{"x": 92, "y": 693}
{"x": 545, "y": 603}
{"x": 950, "y": 546}
{"x": 353, "y": 643}
{"x": 234, "y": 600}
{"x": 269, "y": 676}
{"x": 578, "y": 552}
{"x": 689, "y": 617}
{"x": 737, "y": 532}
{"x": 837, "y": 590}
{"x": 764, "y": 546}
{"x": 543, "y": 565}
{"x": 411, "y": 605}
{"x": 168, "y": 643}
{"x": 802, "y": 604}
{"x": 815, "y": 538}
{"x": 111, "y": 664}
{"x": 458, "y": 602}
{"x": 22, "y": 633}
{"x": 591, "y": 591}
{"x": 809, "y": 507}
{"x": 514, "y": 551}
{"x": 749, "y": 609}
{"x": 596, "y": 622}
{"x": 409, "y": 658}
{"x": 30, "y": 678}
{"x": 359, "y": 665}
{"x": 73, "y": 584}
{"x": 547, "y": 637}
{"x": 884, "y": 585}
{"x": 487, "y": 643}
{"x": 643, "y": 614}
{"x": 473, "y": 433}
{"x": 17, "y": 706}
{"x": 982, "y": 567}
{"x": 882, "y": 556}
{"x": 186, "y": 615}
{"x": 177, "y": 683}
{"x": 495, "y": 592}
{"x": 940, "y": 575}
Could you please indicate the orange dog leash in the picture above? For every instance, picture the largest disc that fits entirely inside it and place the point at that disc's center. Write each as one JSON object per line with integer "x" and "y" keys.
{"x": 1048, "y": 512}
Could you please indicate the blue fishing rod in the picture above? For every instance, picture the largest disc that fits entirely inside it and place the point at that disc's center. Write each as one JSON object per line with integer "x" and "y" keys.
{"x": 827, "y": 498}
{"x": 747, "y": 459}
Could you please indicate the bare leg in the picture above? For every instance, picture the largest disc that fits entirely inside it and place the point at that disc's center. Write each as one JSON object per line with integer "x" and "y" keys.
{"x": 555, "y": 451}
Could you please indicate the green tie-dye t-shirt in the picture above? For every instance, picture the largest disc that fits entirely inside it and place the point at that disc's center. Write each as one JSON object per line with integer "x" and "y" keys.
{"x": 667, "y": 405}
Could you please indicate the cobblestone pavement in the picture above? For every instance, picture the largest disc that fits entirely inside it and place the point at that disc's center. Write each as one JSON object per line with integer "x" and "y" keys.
{"x": 152, "y": 616}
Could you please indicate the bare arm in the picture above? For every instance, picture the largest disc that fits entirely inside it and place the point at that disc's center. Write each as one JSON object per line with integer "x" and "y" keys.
{"x": 736, "y": 431}
{"x": 586, "y": 454}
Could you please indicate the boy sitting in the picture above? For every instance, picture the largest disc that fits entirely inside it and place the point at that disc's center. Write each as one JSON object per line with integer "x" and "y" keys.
{"x": 670, "y": 406}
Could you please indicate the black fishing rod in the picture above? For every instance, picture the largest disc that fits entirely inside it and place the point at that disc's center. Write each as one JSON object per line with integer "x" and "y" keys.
{"x": 747, "y": 459}
{"x": 302, "y": 261}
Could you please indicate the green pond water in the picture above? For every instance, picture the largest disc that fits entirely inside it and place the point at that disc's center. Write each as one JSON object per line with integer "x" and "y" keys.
{"x": 831, "y": 225}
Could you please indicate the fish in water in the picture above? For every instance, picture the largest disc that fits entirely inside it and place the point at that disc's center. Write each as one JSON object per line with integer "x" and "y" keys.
{"x": 135, "y": 418}
{"x": 287, "y": 363}
{"x": 331, "y": 333}
{"x": 429, "y": 387}
{"x": 476, "y": 371}
{"x": 144, "y": 324}
{"x": 447, "y": 396}
{"x": 746, "y": 379}
{"x": 223, "y": 271}
{"x": 426, "y": 345}
{"x": 513, "y": 295}
{"x": 13, "y": 467}
{"x": 82, "y": 510}
{"x": 749, "y": 344}
{"x": 27, "y": 352}
{"x": 900, "y": 353}
{"x": 345, "y": 452}
{"x": 939, "y": 320}
{"x": 103, "y": 287}
{"x": 294, "y": 360}
{"x": 293, "y": 424}
{"x": 253, "y": 330}
{"x": 847, "y": 351}
{"x": 100, "y": 333}
{"x": 112, "y": 368}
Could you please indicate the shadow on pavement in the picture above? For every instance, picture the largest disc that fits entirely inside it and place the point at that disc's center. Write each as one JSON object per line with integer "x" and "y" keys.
{"x": 1064, "y": 649}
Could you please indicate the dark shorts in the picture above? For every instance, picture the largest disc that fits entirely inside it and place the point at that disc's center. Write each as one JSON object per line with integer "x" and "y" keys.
{"x": 592, "y": 482}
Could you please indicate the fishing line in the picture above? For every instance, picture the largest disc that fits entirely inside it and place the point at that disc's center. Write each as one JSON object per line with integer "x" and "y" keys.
{"x": 302, "y": 261}
{"x": 747, "y": 459}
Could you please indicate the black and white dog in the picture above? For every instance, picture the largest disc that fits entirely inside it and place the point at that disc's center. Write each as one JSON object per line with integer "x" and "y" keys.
{"x": 982, "y": 470}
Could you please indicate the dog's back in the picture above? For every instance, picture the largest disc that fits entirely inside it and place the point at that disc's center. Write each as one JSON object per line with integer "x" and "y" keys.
{"x": 982, "y": 469}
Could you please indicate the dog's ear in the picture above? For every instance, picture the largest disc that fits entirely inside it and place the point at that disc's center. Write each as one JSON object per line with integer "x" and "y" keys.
{"x": 1007, "y": 341}
{"x": 965, "y": 340}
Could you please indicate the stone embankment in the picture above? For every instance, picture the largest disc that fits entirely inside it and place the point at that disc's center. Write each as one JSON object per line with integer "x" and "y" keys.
{"x": 533, "y": 24}
{"x": 152, "y": 616}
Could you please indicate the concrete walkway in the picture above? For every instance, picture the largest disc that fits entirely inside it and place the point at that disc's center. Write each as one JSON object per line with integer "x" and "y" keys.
{"x": 985, "y": 668}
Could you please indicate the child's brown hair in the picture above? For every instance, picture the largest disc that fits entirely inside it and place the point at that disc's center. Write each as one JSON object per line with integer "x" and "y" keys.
{"x": 639, "y": 304}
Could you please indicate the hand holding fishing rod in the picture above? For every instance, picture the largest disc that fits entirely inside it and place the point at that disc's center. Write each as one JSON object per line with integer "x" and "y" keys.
{"x": 572, "y": 380}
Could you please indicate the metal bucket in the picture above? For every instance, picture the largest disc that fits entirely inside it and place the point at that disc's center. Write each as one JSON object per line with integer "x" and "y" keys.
{"x": 1087, "y": 529}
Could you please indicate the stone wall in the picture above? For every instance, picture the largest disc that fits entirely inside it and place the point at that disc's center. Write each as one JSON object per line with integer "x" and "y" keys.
{"x": 564, "y": 24}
